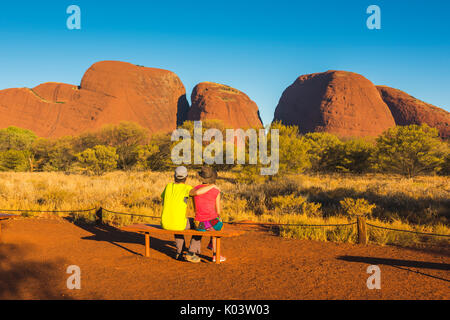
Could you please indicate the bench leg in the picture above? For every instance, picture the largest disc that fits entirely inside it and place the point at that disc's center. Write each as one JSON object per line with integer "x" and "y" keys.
{"x": 147, "y": 245}
{"x": 217, "y": 249}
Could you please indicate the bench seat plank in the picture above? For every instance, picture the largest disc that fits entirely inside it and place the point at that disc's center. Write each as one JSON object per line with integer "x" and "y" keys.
{"x": 157, "y": 229}
{"x": 148, "y": 229}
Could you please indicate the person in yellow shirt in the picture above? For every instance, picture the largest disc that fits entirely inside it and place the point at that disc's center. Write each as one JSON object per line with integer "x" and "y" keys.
{"x": 175, "y": 199}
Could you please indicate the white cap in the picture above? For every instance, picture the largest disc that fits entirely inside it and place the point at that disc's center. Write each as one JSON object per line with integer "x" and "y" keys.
{"x": 181, "y": 172}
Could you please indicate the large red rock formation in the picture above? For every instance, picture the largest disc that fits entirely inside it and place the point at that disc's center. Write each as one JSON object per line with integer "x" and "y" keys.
{"x": 56, "y": 92}
{"x": 408, "y": 110}
{"x": 26, "y": 109}
{"x": 110, "y": 92}
{"x": 217, "y": 101}
{"x": 339, "y": 102}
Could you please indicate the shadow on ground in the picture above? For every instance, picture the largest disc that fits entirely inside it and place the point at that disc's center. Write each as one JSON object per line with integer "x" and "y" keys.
{"x": 401, "y": 264}
{"x": 116, "y": 237}
{"x": 442, "y": 250}
{"x": 22, "y": 279}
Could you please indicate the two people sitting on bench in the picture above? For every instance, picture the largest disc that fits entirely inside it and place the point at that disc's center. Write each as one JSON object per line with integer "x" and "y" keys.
{"x": 175, "y": 199}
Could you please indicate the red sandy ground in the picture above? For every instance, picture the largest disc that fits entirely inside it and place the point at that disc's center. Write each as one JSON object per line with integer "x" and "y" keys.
{"x": 35, "y": 254}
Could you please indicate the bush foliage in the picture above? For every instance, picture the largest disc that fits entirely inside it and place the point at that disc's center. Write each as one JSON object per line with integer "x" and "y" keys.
{"x": 409, "y": 151}
{"x": 357, "y": 207}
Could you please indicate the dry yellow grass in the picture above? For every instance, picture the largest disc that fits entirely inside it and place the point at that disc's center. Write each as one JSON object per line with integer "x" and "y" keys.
{"x": 139, "y": 193}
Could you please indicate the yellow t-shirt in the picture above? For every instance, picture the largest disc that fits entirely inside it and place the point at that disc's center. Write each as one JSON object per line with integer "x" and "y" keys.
{"x": 175, "y": 200}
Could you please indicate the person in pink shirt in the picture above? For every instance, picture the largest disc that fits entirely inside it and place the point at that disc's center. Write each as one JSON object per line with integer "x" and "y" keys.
{"x": 207, "y": 209}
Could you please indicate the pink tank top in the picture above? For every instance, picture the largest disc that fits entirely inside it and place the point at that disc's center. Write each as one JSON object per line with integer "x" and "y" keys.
{"x": 205, "y": 205}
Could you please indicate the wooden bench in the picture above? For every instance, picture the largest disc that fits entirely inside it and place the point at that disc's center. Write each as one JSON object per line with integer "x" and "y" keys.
{"x": 148, "y": 229}
{"x": 4, "y": 216}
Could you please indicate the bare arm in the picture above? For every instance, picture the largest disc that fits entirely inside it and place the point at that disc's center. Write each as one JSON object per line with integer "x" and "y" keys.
{"x": 218, "y": 208}
{"x": 201, "y": 191}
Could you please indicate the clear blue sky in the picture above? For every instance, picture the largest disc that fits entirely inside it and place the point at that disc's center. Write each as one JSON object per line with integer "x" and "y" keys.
{"x": 259, "y": 47}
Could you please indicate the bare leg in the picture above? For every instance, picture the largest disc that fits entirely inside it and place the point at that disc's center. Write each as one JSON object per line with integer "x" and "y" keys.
{"x": 214, "y": 244}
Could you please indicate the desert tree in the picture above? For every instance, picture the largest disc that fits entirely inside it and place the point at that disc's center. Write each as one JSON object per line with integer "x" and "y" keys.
{"x": 146, "y": 155}
{"x": 15, "y": 149}
{"x": 319, "y": 143}
{"x": 292, "y": 149}
{"x": 410, "y": 150}
{"x": 54, "y": 154}
{"x": 352, "y": 155}
{"x": 98, "y": 160}
{"x": 14, "y": 160}
{"x": 126, "y": 137}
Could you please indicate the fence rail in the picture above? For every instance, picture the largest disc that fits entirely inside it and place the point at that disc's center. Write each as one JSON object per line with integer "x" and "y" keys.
{"x": 291, "y": 224}
{"x": 410, "y": 231}
{"x": 128, "y": 214}
{"x": 360, "y": 222}
{"x": 46, "y": 211}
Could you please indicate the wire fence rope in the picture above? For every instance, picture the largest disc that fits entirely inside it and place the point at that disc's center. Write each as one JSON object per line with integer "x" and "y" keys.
{"x": 228, "y": 222}
{"x": 409, "y": 231}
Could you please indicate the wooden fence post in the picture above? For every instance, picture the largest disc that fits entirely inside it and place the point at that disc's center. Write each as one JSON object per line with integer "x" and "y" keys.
{"x": 99, "y": 216}
{"x": 362, "y": 230}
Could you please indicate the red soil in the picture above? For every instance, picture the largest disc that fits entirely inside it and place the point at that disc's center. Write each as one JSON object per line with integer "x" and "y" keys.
{"x": 35, "y": 254}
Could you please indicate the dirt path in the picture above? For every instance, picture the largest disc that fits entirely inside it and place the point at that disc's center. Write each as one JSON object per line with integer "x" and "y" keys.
{"x": 35, "y": 254}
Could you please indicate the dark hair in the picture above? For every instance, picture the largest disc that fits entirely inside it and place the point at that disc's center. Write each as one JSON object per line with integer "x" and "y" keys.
{"x": 208, "y": 175}
{"x": 177, "y": 180}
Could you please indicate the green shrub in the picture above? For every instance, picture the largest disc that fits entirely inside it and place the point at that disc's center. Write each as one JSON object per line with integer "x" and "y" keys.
{"x": 293, "y": 150}
{"x": 319, "y": 143}
{"x": 354, "y": 155}
{"x": 410, "y": 150}
{"x": 15, "y": 149}
{"x": 98, "y": 160}
{"x": 16, "y": 138}
{"x": 145, "y": 156}
{"x": 295, "y": 204}
{"x": 259, "y": 196}
{"x": 54, "y": 155}
{"x": 357, "y": 207}
{"x": 444, "y": 170}
{"x": 14, "y": 160}
{"x": 126, "y": 137}
{"x": 288, "y": 204}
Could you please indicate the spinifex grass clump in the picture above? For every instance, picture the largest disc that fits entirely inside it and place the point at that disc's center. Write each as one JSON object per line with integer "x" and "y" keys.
{"x": 357, "y": 207}
{"x": 389, "y": 237}
{"x": 319, "y": 231}
{"x": 259, "y": 196}
{"x": 289, "y": 204}
{"x": 296, "y": 204}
